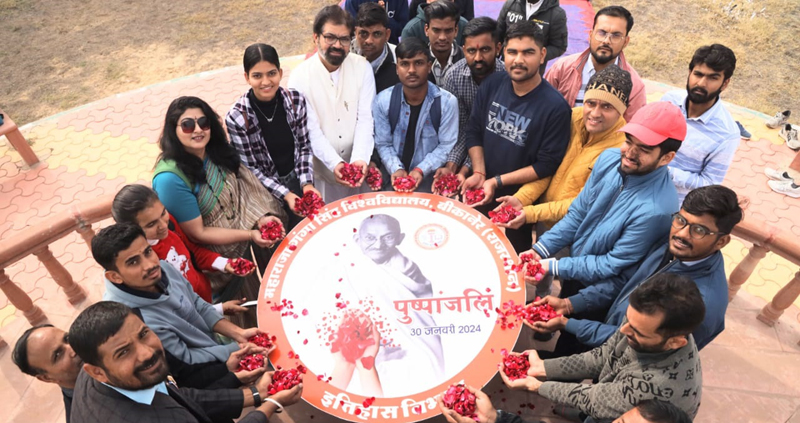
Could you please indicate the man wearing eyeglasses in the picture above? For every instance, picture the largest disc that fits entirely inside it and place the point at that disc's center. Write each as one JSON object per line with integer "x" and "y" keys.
{"x": 339, "y": 88}
{"x": 609, "y": 37}
{"x": 699, "y": 231}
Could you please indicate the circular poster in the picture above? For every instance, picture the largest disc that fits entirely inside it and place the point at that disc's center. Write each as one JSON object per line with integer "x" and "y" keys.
{"x": 386, "y": 299}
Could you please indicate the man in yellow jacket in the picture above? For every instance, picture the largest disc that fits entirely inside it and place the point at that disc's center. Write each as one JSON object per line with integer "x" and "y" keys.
{"x": 595, "y": 128}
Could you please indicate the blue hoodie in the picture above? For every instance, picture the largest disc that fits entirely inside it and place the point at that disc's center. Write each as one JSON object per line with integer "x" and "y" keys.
{"x": 707, "y": 274}
{"x": 181, "y": 319}
{"x": 612, "y": 223}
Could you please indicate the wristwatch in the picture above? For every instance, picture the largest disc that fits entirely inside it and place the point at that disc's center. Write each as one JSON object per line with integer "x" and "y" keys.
{"x": 256, "y": 396}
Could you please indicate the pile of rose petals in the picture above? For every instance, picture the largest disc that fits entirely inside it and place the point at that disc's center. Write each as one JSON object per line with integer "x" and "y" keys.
{"x": 241, "y": 266}
{"x": 472, "y": 196}
{"x": 309, "y": 204}
{"x": 374, "y": 178}
{"x": 404, "y": 183}
{"x": 286, "y": 379}
{"x": 447, "y": 185}
{"x": 263, "y": 340}
{"x": 352, "y": 174}
{"x": 461, "y": 400}
{"x": 534, "y": 268}
{"x": 542, "y": 313}
{"x": 506, "y": 214}
{"x": 516, "y": 366}
{"x": 251, "y": 362}
{"x": 272, "y": 231}
{"x": 353, "y": 336}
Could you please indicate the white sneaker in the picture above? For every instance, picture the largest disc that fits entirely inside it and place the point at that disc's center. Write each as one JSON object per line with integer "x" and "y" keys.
{"x": 789, "y": 134}
{"x": 779, "y": 119}
{"x": 785, "y": 188}
{"x": 776, "y": 174}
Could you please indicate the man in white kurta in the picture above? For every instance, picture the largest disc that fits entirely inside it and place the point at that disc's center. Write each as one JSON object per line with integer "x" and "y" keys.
{"x": 406, "y": 363}
{"x": 339, "y": 88}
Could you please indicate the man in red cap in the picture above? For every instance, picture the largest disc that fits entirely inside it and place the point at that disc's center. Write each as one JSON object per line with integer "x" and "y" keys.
{"x": 624, "y": 208}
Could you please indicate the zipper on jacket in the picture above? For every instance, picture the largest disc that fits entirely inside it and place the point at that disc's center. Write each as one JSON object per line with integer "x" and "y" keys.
{"x": 608, "y": 207}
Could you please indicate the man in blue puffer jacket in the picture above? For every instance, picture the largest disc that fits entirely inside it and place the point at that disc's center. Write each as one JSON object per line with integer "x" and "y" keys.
{"x": 624, "y": 208}
{"x": 699, "y": 231}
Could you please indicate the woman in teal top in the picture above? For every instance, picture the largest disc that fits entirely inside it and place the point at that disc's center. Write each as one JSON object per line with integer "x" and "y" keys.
{"x": 217, "y": 201}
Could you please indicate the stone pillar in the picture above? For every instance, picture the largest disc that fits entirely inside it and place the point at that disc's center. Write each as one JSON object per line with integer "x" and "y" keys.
{"x": 744, "y": 269}
{"x": 21, "y": 300}
{"x": 74, "y": 292}
{"x": 771, "y": 312}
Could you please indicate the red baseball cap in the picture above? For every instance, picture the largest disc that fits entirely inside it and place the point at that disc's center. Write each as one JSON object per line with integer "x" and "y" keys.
{"x": 655, "y": 122}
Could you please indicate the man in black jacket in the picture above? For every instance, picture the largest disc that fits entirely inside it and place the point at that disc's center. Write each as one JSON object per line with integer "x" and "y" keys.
{"x": 372, "y": 42}
{"x": 550, "y": 17}
{"x": 125, "y": 377}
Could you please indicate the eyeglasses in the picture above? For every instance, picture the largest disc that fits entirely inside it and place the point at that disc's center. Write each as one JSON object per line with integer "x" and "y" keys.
{"x": 601, "y": 35}
{"x": 187, "y": 125}
{"x": 364, "y": 34}
{"x": 695, "y": 231}
{"x": 331, "y": 39}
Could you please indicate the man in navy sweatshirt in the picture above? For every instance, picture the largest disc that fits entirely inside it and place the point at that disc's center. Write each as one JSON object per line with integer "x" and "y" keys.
{"x": 519, "y": 127}
{"x": 699, "y": 231}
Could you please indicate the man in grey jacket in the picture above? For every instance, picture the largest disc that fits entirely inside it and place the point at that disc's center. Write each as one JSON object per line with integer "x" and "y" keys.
{"x": 652, "y": 356}
{"x": 183, "y": 321}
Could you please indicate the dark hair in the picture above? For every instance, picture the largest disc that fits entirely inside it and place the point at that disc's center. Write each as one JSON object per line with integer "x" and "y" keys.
{"x": 674, "y": 295}
{"x": 370, "y": 14}
{"x": 20, "y": 354}
{"x": 526, "y": 29}
{"x": 94, "y": 326}
{"x": 218, "y": 150}
{"x": 257, "y": 53}
{"x": 480, "y": 26}
{"x": 718, "y": 201}
{"x": 108, "y": 243}
{"x": 617, "y": 12}
{"x": 655, "y": 411}
{"x": 717, "y": 57}
{"x": 669, "y": 145}
{"x": 410, "y": 47}
{"x": 442, "y": 9}
{"x": 130, "y": 201}
{"x": 335, "y": 15}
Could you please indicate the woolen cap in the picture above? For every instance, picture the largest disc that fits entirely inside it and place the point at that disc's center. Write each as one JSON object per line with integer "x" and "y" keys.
{"x": 612, "y": 85}
{"x": 655, "y": 122}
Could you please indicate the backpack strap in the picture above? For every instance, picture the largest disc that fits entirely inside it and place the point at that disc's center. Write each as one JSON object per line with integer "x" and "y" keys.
{"x": 169, "y": 166}
{"x": 394, "y": 105}
{"x": 436, "y": 113}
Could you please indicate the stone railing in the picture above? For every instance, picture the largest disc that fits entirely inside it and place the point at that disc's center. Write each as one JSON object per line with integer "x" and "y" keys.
{"x": 766, "y": 238}
{"x": 37, "y": 240}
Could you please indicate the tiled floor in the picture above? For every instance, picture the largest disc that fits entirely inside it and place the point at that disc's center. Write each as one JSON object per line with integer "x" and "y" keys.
{"x": 750, "y": 372}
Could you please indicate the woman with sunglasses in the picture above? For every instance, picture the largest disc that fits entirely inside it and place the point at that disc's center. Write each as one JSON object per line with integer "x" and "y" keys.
{"x": 216, "y": 200}
{"x": 268, "y": 126}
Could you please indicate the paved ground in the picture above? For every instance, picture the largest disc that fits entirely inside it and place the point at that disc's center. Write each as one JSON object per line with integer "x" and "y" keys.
{"x": 750, "y": 371}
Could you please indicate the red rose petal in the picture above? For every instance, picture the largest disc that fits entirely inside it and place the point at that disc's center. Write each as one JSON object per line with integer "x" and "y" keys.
{"x": 309, "y": 204}
{"x": 368, "y": 362}
{"x": 374, "y": 179}
{"x": 446, "y": 186}
{"x": 241, "y": 266}
{"x": 473, "y": 196}
{"x": 506, "y": 214}
{"x": 404, "y": 183}
{"x": 272, "y": 230}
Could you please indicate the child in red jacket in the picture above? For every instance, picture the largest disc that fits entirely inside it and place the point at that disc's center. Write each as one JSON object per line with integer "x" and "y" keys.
{"x": 140, "y": 205}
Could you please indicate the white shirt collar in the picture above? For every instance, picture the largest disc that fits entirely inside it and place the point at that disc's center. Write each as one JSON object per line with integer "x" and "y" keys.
{"x": 692, "y": 263}
{"x": 142, "y": 396}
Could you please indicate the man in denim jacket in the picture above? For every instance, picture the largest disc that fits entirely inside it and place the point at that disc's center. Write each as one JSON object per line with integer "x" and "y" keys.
{"x": 421, "y": 138}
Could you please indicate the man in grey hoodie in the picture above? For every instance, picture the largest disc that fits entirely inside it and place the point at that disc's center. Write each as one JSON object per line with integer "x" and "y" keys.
{"x": 651, "y": 356}
{"x": 183, "y": 321}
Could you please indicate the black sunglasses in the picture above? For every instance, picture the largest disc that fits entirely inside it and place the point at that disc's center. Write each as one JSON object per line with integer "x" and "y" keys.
{"x": 187, "y": 125}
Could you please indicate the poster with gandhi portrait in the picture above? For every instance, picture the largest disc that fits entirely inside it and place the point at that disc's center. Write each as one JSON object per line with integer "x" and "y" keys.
{"x": 391, "y": 296}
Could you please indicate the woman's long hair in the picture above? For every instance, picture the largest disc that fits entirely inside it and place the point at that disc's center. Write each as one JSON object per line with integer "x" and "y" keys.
{"x": 218, "y": 150}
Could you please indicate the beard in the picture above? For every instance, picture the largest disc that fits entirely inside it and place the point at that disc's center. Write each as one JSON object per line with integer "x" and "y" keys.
{"x": 602, "y": 60}
{"x": 335, "y": 60}
{"x": 138, "y": 380}
{"x": 699, "y": 95}
{"x": 646, "y": 349}
{"x": 482, "y": 71}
